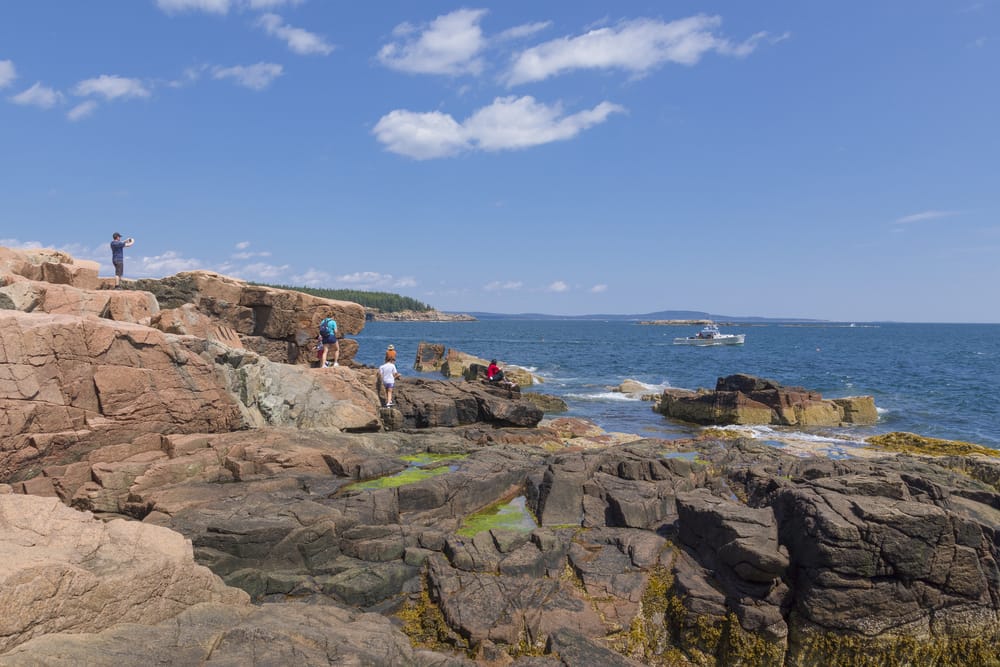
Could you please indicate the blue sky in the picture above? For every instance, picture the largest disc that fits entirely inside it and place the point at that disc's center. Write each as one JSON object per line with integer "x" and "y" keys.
{"x": 784, "y": 159}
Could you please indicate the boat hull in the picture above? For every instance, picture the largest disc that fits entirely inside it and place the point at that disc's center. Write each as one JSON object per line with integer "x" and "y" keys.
{"x": 724, "y": 339}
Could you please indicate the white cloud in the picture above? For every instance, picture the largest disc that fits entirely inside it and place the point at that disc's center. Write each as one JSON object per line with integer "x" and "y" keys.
{"x": 82, "y": 110}
{"x": 366, "y": 279}
{"x": 7, "y": 73}
{"x": 272, "y": 4}
{"x": 188, "y": 76}
{"x": 925, "y": 215}
{"x": 260, "y": 271}
{"x": 300, "y": 41}
{"x": 168, "y": 263}
{"x": 242, "y": 245}
{"x": 312, "y": 278}
{"x": 599, "y": 289}
{"x": 254, "y": 77}
{"x": 497, "y": 285}
{"x": 250, "y": 255}
{"x": 450, "y": 44}
{"x": 519, "y": 122}
{"x": 420, "y": 135}
{"x": 522, "y": 31}
{"x": 221, "y": 6}
{"x": 634, "y": 46}
{"x": 17, "y": 244}
{"x": 509, "y": 123}
{"x": 111, "y": 87}
{"x": 38, "y": 96}
{"x": 209, "y": 6}
{"x": 558, "y": 286}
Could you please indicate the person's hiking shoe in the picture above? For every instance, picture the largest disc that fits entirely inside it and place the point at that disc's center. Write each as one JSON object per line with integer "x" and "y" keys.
{"x": 335, "y": 363}
{"x": 389, "y": 405}
{"x": 327, "y": 365}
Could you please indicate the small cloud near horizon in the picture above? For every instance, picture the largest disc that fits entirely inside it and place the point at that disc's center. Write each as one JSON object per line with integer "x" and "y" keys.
{"x": 599, "y": 289}
{"x": 168, "y": 263}
{"x": 558, "y": 286}
{"x": 497, "y": 285}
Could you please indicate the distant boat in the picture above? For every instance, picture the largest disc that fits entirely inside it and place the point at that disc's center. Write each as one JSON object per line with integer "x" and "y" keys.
{"x": 710, "y": 335}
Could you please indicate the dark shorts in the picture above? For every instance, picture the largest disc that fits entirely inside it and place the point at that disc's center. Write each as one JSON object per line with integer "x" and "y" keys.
{"x": 330, "y": 340}
{"x": 119, "y": 268}
{"x": 389, "y": 385}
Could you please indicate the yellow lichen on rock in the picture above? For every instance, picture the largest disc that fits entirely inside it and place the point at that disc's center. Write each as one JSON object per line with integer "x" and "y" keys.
{"x": 911, "y": 443}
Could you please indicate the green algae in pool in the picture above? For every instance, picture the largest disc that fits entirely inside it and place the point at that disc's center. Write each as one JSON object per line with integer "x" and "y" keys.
{"x": 513, "y": 515}
{"x": 428, "y": 457}
{"x": 686, "y": 456}
{"x": 422, "y": 466}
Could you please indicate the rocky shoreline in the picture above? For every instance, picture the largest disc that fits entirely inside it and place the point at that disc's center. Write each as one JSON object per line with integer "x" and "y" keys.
{"x": 180, "y": 487}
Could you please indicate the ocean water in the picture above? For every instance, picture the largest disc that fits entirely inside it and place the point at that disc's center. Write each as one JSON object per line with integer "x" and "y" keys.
{"x": 938, "y": 380}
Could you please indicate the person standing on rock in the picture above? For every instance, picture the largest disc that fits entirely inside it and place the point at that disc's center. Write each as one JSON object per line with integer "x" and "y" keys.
{"x": 118, "y": 256}
{"x": 390, "y": 353}
{"x": 328, "y": 338}
{"x": 388, "y": 374}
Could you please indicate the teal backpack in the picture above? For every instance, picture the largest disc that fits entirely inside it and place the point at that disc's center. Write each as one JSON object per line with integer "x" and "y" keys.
{"x": 328, "y": 327}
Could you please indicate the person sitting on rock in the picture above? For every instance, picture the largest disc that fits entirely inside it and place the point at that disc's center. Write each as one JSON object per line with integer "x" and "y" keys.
{"x": 495, "y": 375}
{"x": 390, "y": 353}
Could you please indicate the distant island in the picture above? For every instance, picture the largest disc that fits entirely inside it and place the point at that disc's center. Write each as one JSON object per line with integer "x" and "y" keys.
{"x": 685, "y": 323}
{"x": 678, "y": 317}
{"x": 375, "y": 315}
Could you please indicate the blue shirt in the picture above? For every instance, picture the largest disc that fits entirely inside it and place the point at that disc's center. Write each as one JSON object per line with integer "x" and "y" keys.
{"x": 117, "y": 251}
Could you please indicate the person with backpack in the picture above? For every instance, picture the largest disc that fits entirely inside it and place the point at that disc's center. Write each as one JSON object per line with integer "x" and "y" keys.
{"x": 328, "y": 339}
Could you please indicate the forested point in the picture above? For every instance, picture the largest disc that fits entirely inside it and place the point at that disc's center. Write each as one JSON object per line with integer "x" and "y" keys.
{"x": 387, "y": 302}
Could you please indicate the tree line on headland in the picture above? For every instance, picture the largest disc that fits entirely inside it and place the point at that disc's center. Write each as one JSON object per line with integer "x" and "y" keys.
{"x": 386, "y": 302}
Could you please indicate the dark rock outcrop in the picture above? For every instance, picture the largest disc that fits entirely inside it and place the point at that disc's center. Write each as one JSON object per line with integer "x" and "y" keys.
{"x": 744, "y": 399}
{"x": 425, "y": 403}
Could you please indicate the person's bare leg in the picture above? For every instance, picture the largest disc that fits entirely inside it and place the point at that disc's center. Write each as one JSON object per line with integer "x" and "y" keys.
{"x": 322, "y": 358}
{"x": 336, "y": 353}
